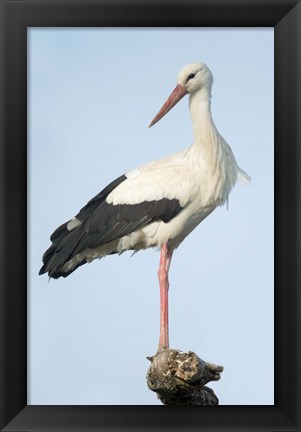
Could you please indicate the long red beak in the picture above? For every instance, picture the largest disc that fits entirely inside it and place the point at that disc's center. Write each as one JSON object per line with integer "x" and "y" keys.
{"x": 174, "y": 98}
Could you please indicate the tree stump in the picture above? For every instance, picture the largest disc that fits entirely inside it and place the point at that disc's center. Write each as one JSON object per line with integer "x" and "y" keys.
{"x": 179, "y": 378}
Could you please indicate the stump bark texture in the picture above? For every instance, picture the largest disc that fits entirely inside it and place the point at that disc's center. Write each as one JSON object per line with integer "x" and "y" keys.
{"x": 180, "y": 378}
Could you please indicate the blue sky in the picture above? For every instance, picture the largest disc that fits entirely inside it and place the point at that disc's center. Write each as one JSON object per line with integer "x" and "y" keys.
{"x": 92, "y": 94}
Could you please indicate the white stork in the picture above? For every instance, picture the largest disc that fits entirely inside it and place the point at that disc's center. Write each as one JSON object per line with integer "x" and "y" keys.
{"x": 158, "y": 204}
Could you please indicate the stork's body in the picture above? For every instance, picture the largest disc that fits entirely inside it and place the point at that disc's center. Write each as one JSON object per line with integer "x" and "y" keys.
{"x": 158, "y": 204}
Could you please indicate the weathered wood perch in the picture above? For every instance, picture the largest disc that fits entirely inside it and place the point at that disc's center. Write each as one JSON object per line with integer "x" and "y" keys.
{"x": 179, "y": 378}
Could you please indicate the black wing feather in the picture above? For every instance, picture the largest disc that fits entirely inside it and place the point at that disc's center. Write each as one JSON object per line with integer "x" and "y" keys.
{"x": 102, "y": 223}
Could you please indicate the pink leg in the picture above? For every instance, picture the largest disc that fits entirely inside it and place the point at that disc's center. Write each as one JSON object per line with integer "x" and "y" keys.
{"x": 165, "y": 260}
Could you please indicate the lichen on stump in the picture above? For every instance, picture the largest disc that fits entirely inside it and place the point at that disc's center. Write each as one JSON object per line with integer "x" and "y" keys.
{"x": 179, "y": 378}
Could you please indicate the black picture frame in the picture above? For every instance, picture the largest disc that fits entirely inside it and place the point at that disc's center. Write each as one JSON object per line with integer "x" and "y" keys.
{"x": 16, "y": 17}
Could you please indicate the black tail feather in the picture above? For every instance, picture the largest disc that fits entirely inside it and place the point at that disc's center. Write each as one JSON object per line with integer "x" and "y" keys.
{"x": 61, "y": 251}
{"x": 66, "y": 244}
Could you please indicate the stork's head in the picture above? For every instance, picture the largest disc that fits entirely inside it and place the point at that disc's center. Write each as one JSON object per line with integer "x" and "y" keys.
{"x": 195, "y": 76}
{"x": 191, "y": 79}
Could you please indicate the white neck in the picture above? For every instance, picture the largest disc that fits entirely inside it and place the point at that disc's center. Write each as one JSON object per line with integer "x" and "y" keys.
{"x": 207, "y": 143}
{"x": 213, "y": 155}
{"x": 200, "y": 112}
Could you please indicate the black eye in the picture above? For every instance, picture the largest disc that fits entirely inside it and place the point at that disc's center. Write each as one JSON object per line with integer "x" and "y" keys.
{"x": 190, "y": 76}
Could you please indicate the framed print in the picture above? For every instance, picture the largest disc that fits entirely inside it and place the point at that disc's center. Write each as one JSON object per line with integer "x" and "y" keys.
{"x": 80, "y": 84}
{"x": 52, "y": 102}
